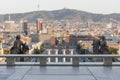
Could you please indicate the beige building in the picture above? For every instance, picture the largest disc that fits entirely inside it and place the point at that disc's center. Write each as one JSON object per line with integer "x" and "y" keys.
{"x": 11, "y": 27}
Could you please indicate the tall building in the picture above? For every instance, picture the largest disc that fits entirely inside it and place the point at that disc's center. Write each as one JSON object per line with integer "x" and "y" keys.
{"x": 25, "y": 27}
{"x": 52, "y": 40}
{"x": 67, "y": 39}
{"x": 39, "y": 25}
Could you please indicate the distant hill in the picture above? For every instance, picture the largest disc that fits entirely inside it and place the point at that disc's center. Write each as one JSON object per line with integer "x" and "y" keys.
{"x": 63, "y": 14}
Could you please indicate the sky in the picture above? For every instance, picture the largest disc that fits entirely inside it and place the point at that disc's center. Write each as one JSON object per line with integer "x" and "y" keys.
{"x": 94, "y": 6}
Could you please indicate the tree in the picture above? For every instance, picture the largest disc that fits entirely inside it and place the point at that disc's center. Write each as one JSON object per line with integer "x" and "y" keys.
{"x": 42, "y": 49}
{"x": 6, "y": 51}
{"x": 36, "y": 51}
{"x": 39, "y": 51}
{"x": 113, "y": 50}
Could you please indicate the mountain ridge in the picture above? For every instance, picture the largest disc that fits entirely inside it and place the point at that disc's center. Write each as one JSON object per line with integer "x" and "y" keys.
{"x": 62, "y": 14}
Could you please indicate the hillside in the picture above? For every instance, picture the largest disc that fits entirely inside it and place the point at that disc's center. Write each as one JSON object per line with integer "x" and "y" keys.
{"x": 63, "y": 14}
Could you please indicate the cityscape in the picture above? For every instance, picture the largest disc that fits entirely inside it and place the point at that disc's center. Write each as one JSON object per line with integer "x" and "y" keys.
{"x": 56, "y": 34}
{"x": 56, "y": 44}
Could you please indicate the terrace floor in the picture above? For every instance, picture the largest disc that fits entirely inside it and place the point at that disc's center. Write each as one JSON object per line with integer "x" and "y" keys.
{"x": 59, "y": 73}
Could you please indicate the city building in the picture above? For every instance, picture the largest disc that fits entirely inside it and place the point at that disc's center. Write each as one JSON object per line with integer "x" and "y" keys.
{"x": 25, "y": 27}
{"x": 39, "y": 25}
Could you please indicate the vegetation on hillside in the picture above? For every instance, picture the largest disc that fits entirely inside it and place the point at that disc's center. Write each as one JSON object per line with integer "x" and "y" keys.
{"x": 63, "y": 14}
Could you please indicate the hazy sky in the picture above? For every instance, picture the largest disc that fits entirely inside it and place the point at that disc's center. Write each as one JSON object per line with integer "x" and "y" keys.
{"x": 95, "y": 6}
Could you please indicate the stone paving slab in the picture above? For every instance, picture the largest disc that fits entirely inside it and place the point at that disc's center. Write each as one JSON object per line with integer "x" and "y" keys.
{"x": 13, "y": 73}
{"x": 18, "y": 74}
{"x": 58, "y": 77}
{"x": 105, "y": 73}
{"x": 59, "y": 73}
{"x": 59, "y": 70}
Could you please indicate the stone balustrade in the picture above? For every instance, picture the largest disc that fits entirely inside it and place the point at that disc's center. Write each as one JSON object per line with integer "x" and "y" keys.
{"x": 107, "y": 59}
{"x": 49, "y": 52}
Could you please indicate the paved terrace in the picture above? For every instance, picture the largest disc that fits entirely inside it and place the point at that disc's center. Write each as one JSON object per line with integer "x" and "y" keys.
{"x": 43, "y": 71}
{"x": 59, "y": 73}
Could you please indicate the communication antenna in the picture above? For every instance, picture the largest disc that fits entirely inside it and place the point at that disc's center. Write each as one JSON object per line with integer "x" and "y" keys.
{"x": 66, "y": 4}
{"x": 38, "y": 5}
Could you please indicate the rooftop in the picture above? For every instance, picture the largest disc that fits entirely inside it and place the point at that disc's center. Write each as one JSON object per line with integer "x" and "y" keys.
{"x": 59, "y": 73}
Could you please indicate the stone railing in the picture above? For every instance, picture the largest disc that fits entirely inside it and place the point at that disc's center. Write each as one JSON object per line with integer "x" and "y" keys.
{"x": 63, "y": 51}
{"x": 43, "y": 58}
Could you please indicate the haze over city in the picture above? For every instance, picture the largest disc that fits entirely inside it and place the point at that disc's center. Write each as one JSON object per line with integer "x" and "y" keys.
{"x": 94, "y": 6}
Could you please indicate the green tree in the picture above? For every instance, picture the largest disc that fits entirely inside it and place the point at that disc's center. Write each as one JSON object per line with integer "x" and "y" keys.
{"x": 42, "y": 49}
{"x": 39, "y": 51}
{"x": 113, "y": 50}
{"x": 6, "y": 51}
{"x": 36, "y": 51}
